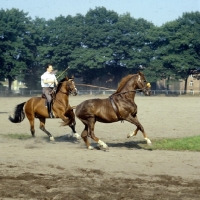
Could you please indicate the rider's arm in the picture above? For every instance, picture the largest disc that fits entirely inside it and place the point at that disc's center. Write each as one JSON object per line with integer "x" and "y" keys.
{"x": 47, "y": 81}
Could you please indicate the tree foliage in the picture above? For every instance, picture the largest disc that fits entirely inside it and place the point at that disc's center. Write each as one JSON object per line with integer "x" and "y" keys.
{"x": 101, "y": 42}
{"x": 15, "y": 44}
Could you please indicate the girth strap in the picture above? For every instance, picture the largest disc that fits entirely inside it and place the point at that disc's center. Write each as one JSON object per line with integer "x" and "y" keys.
{"x": 115, "y": 108}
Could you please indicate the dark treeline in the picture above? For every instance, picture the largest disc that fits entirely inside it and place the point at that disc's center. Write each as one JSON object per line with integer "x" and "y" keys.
{"x": 97, "y": 44}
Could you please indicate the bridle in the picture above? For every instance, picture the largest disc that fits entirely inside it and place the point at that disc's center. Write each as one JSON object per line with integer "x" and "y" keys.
{"x": 67, "y": 92}
{"x": 137, "y": 90}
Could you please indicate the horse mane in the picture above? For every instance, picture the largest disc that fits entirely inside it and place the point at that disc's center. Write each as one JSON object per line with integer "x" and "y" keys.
{"x": 60, "y": 84}
{"x": 123, "y": 82}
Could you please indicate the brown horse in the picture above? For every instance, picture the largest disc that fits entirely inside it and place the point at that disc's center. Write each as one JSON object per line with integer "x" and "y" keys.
{"x": 35, "y": 108}
{"x": 119, "y": 106}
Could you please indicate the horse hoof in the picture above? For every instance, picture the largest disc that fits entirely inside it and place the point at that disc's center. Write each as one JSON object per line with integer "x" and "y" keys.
{"x": 149, "y": 143}
{"x": 103, "y": 147}
{"x": 51, "y": 138}
{"x": 90, "y": 148}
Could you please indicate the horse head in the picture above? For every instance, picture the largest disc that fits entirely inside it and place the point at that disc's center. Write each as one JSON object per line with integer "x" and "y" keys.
{"x": 71, "y": 86}
{"x": 142, "y": 84}
{"x": 68, "y": 85}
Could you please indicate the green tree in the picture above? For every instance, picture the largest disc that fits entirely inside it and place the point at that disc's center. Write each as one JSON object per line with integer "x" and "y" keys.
{"x": 176, "y": 48}
{"x": 15, "y": 44}
{"x": 41, "y": 51}
{"x": 110, "y": 44}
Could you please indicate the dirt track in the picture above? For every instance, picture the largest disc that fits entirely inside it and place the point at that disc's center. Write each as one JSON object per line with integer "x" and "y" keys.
{"x": 39, "y": 169}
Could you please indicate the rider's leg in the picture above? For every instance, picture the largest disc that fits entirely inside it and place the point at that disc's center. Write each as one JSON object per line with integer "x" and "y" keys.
{"x": 49, "y": 107}
{"x": 46, "y": 91}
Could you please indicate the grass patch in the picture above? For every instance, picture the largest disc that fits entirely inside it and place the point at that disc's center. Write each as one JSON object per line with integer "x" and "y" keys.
{"x": 179, "y": 144}
{"x": 19, "y": 136}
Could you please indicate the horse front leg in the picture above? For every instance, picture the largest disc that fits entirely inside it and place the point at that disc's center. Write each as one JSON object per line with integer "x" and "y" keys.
{"x": 134, "y": 120}
{"x": 42, "y": 127}
{"x": 74, "y": 133}
{"x": 101, "y": 144}
{"x": 70, "y": 121}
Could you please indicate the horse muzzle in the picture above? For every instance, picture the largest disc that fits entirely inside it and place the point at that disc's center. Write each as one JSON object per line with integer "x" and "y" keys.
{"x": 74, "y": 92}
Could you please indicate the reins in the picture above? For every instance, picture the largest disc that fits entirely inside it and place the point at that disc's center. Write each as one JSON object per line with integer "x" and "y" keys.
{"x": 127, "y": 92}
{"x": 95, "y": 86}
{"x": 109, "y": 88}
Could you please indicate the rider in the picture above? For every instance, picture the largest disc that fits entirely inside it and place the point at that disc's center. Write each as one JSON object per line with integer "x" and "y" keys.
{"x": 48, "y": 79}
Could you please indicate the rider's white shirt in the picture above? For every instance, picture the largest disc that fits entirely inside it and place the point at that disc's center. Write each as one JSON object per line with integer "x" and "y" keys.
{"x": 47, "y": 76}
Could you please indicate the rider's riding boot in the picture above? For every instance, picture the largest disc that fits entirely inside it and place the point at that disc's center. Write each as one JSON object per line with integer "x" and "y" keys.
{"x": 49, "y": 110}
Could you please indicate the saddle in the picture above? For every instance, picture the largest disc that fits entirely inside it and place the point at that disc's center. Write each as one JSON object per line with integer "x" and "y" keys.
{"x": 52, "y": 93}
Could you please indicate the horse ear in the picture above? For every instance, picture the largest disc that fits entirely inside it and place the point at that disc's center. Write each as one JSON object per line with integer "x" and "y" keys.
{"x": 66, "y": 78}
{"x": 72, "y": 77}
{"x": 140, "y": 73}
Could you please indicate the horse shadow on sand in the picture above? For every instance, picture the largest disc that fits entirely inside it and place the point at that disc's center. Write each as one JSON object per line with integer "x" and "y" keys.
{"x": 64, "y": 138}
{"x": 130, "y": 145}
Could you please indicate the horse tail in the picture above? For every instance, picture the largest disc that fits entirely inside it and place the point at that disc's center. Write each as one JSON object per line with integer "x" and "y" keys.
{"x": 19, "y": 114}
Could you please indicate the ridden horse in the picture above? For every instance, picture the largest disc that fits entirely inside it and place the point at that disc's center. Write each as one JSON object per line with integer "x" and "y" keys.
{"x": 119, "y": 106}
{"x": 35, "y": 108}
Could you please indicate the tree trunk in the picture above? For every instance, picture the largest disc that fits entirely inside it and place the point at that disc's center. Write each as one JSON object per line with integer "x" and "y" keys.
{"x": 168, "y": 79}
{"x": 10, "y": 80}
{"x": 185, "y": 86}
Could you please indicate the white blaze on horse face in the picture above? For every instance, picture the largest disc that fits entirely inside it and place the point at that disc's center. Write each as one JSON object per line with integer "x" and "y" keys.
{"x": 139, "y": 78}
{"x": 74, "y": 86}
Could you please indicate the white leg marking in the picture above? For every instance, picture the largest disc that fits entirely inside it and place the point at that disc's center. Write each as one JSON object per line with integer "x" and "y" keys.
{"x": 102, "y": 144}
{"x": 90, "y": 148}
{"x": 77, "y": 136}
{"x": 148, "y": 140}
{"x": 131, "y": 134}
{"x": 51, "y": 138}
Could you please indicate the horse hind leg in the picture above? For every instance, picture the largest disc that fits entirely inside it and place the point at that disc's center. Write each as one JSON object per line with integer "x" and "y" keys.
{"x": 31, "y": 121}
{"x": 84, "y": 136}
{"x": 135, "y": 121}
{"x": 42, "y": 127}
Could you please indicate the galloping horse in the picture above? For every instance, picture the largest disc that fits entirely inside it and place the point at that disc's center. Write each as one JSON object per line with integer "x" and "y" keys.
{"x": 119, "y": 106}
{"x": 35, "y": 108}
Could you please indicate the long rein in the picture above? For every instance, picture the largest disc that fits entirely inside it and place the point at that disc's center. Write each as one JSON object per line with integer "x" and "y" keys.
{"x": 111, "y": 89}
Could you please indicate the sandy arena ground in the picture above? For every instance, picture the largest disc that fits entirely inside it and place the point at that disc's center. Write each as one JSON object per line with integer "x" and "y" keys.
{"x": 38, "y": 169}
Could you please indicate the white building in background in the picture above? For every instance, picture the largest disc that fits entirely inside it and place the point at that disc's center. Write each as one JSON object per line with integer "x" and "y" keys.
{"x": 192, "y": 87}
{"x": 16, "y": 85}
